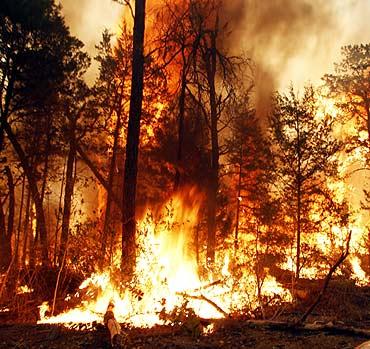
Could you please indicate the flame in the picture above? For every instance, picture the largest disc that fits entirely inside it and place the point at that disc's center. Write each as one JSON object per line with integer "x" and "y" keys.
{"x": 359, "y": 273}
{"x": 166, "y": 276}
{"x": 24, "y": 289}
{"x": 44, "y": 307}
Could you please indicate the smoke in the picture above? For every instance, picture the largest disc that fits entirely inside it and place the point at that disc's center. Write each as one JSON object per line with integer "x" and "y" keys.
{"x": 295, "y": 41}
{"x": 87, "y": 20}
{"x": 288, "y": 40}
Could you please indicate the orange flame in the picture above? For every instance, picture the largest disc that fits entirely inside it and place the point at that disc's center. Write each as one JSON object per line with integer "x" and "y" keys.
{"x": 166, "y": 276}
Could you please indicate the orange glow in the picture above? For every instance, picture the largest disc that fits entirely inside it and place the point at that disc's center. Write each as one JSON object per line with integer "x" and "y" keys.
{"x": 166, "y": 275}
{"x": 24, "y": 289}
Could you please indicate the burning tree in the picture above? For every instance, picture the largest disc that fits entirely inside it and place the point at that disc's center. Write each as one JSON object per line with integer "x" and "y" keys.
{"x": 132, "y": 147}
{"x": 304, "y": 148}
{"x": 213, "y": 87}
{"x": 350, "y": 84}
{"x": 260, "y": 240}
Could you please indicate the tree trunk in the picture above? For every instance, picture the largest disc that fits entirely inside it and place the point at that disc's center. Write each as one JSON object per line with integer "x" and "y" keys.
{"x": 59, "y": 213}
{"x": 5, "y": 243}
{"x": 299, "y": 202}
{"x": 32, "y": 181}
{"x": 236, "y": 238}
{"x": 107, "y": 217}
{"x": 11, "y": 208}
{"x": 298, "y": 257}
{"x": 46, "y": 165}
{"x": 7, "y": 231}
{"x": 68, "y": 193}
{"x": 213, "y": 186}
{"x": 180, "y": 125}
{"x": 133, "y": 138}
{"x": 16, "y": 252}
{"x": 26, "y": 229}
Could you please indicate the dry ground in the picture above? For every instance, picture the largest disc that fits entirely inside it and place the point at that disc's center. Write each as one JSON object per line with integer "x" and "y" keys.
{"x": 232, "y": 334}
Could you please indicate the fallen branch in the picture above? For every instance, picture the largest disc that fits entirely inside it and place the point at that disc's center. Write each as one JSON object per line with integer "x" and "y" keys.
{"x": 204, "y": 298}
{"x": 332, "y": 270}
{"x": 214, "y": 283}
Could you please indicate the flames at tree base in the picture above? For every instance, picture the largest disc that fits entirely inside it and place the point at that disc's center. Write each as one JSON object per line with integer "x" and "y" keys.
{"x": 168, "y": 285}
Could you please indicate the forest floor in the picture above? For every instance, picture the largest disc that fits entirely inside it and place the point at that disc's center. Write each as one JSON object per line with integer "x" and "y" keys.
{"x": 344, "y": 306}
{"x": 228, "y": 334}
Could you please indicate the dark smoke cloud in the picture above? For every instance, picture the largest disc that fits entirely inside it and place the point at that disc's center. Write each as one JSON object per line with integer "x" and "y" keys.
{"x": 294, "y": 40}
{"x": 288, "y": 40}
{"x": 276, "y": 31}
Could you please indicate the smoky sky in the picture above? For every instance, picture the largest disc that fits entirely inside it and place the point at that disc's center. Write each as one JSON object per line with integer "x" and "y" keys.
{"x": 289, "y": 40}
{"x": 87, "y": 19}
{"x": 297, "y": 41}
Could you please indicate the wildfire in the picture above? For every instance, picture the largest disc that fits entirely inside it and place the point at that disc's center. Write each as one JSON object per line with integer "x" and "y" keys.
{"x": 166, "y": 277}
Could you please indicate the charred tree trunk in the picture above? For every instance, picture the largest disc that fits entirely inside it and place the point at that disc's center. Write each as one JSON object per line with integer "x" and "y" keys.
{"x": 236, "y": 237}
{"x": 26, "y": 229}
{"x": 11, "y": 280}
{"x": 133, "y": 138}
{"x": 32, "y": 181}
{"x": 299, "y": 201}
{"x": 107, "y": 218}
{"x": 5, "y": 243}
{"x": 11, "y": 208}
{"x": 68, "y": 193}
{"x": 59, "y": 213}
{"x": 213, "y": 183}
{"x": 181, "y": 124}
{"x": 298, "y": 257}
{"x": 6, "y": 232}
{"x": 16, "y": 252}
{"x": 46, "y": 165}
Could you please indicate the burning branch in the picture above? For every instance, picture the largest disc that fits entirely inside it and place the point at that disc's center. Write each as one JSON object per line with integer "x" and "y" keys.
{"x": 204, "y": 298}
{"x": 214, "y": 283}
{"x": 332, "y": 270}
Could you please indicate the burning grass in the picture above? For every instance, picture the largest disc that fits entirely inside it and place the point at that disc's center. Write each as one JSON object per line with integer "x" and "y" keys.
{"x": 169, "y": 287}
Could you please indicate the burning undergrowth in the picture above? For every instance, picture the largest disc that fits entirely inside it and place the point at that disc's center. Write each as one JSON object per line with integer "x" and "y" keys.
{"x": 168, "y": 279}
{"x": 170, "y": 285}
